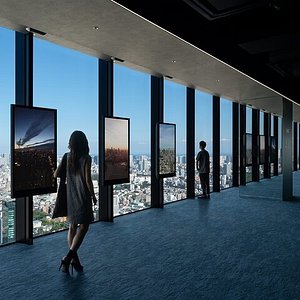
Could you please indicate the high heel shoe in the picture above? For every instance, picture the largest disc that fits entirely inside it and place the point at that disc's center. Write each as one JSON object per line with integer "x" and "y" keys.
{"x": 65, "y": 264}
{"x": 75, "y": 263}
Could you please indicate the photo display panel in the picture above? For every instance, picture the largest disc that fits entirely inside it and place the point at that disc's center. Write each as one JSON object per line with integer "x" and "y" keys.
{"x": 248, "y": 149}
{"x": 262, "y": 149}
{"x": 33, "y": 148}
{"x": 167, "y": 149}
{"x": 116, "y": 145}
{"x": 273, "y": 149}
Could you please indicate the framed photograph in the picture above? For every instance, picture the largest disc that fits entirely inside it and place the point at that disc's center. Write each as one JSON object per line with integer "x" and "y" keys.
{"x": 248, "y": 149}
{"x": 272, "y": 149}
{"x": 116, "y": 145}
{"x": 262, "y": 149}
{"x": 33, "y": 151}
{"x": 167, "y": 150}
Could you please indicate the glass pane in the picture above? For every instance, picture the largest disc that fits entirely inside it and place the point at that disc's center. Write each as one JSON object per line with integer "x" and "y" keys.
{"x": 225, "y": 143}
{"x": 7, "y": 96}
{"x": 67, "y": 81}
{"x": 175, "y": 112}
{"x": 203, "y": 131}
{"x": 261, "y": 123}
{"x": 132, "y": 100}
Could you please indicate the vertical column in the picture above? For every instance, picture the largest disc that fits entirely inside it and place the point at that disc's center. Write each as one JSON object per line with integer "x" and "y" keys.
{"x": 216, "y": 144}
{"x": 287, "y": 151}
{"x": 276, "y": 146}
{"x": 255, "y": 145}
{"x": 157, "y": 109}
{"x": 190, "y": 142}
{"x": 242, "y": 145}
{"x": 295, "y": 152}
{"x": 267, "y": 131}
{"x": 235, "y": 144}
{"x": 24, "y": 92}
{"x": 105, "y": 69}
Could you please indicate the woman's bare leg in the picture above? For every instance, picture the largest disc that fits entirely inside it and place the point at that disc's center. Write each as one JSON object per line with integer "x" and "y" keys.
{"x": 71, "y": 234}
{"x": 79, "y": 236}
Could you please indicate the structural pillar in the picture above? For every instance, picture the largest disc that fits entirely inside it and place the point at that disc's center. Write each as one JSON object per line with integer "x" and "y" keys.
{"x": 24, "y": 92}
{"x": 190, "y": 142}
{"x": 287, "y": 150}
{"x": 295, "y": 152}
{"x": 105, "y": 69}
{"x": 255, "y": 145}
{"x": 216, "y": 144}
{"x": 235, "y": 144}
{"x": 242, "y": 144}
{"x": 157, "y": 109}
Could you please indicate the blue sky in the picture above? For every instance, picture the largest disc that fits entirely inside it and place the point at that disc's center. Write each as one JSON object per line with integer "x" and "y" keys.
{"x": 67, "y": 80}
{"x": 166, "y": 136}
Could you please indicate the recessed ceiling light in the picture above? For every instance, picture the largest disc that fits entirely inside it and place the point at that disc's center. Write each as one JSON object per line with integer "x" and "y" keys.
{"x": 96, "y": 27}
{"x": 174, "y": 61}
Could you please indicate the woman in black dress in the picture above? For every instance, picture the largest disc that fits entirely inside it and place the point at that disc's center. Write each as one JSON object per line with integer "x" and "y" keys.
{"x": 80, "y": 195}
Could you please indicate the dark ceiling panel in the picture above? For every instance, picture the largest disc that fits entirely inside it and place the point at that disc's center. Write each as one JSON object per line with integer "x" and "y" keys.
{"x": 215, "y": 9}
{"x": 259, "y": 38}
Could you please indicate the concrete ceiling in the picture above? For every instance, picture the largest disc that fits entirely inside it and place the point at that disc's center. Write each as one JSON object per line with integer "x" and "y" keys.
{"x": 139, "y": 43}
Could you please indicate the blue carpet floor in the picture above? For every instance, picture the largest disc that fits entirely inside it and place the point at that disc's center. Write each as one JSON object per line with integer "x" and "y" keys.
{"x": 228, "y": 247}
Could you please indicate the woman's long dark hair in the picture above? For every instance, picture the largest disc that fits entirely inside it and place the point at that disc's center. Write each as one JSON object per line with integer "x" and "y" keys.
{"x": 79, "y": 147}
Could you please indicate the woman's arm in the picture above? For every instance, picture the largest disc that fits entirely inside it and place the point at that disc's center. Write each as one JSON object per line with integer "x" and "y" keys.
{"x": 57, "y": 172}
{"x": 89, "y": 181}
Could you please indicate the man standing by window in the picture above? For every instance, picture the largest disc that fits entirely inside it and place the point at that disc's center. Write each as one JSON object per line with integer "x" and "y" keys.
{"x": 203, "y": 169}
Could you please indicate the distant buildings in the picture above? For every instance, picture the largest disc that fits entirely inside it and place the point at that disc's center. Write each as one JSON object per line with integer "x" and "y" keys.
{"x": 128, "y": 197}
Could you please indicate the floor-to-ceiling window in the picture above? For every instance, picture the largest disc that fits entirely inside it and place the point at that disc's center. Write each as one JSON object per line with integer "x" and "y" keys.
{"x": 65, "y": 80}
{"x": 203, "y": 131}
{"x": 175, "y": 112}
{"x": 132, "y": 99}
{"x": 248, "y": 141}
{"x": 262, "y": 145}
{"x": 7, "y": 96}
{"x": 225, "y": 143}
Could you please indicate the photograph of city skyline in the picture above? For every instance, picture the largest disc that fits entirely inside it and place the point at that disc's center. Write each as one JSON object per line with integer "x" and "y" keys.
{"x": 248, "y": 149}
{"x": 167, "y": 149}
{"x": 116, "y": 150}
{"x": 34, "y": 151}
{"x": 261, "y": 149}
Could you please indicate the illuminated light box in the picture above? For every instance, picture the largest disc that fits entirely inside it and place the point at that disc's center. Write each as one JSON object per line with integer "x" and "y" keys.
{"x": 248, "y": 149}
{"x": 116, "y": 145}
{"x": 33, "y": 148}
{"x": 167, "y": 150}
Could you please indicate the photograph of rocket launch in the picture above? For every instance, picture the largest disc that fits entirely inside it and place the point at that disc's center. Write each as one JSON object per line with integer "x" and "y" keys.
{"x": 33, "y": 150}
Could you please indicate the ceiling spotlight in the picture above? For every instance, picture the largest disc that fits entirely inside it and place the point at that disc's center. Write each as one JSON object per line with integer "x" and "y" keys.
{"x": 35, "y": 31}
{"x": 174, "y": 61}
{"x": 117, "y": 59}
{"x": 96, "y": 27}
